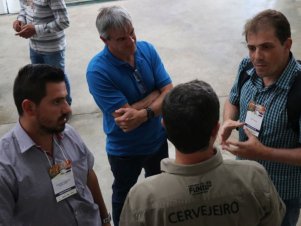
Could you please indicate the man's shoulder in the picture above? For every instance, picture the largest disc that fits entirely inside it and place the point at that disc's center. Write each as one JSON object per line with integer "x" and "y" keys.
{"x": 244, "y": 164}
{"x": 70, "y": 132}
{"x": 145, "y": 47}
{"x": 147, "y": 187}
{"x": 97, "y": 61}
{"x": 7, "y": 146}
{"x": 247, "y": 170}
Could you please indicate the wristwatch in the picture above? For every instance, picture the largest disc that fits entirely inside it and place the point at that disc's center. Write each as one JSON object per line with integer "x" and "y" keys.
{"x": 150, "y": 113}
{"x": 107, "y": 219}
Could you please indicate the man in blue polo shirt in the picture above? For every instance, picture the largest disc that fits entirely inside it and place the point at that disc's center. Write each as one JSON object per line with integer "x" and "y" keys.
{"x": 128, "y": 82}
{"x": 260, "y": 104}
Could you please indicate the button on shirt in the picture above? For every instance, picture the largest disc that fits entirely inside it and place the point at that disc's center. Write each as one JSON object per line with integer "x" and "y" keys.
{"x": 275, "y": 131}
{"x": 26, "y": 192}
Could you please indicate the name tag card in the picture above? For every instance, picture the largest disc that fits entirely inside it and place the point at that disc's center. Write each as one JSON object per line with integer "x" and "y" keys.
{"x": 62, "y": 180}
{"x": 254, "y": 118}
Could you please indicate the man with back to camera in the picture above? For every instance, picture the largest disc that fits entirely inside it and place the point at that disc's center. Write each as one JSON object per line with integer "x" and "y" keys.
{"x": 128, "y": 82}
{"x": 46, "y": 170}
{"x": 261, "y": 104}
{"x": 199, "y": 187}
{"x": 43, "y": 22}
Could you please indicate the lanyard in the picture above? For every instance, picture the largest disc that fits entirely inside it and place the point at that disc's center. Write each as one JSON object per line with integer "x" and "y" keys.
{"x": 271, "y": 97}
{"x": 62, "y": 151}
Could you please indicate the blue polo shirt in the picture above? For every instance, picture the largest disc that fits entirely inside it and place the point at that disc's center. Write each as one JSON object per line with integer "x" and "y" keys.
{"x": 112, "y": 84}
{"x": 275, "y": 131}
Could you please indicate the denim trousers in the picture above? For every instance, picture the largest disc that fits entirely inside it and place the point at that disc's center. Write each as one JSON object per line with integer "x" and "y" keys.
{"x": 126, "y": 170}
{"x": 292, "y": 212}
{"x": 56, "y": 59}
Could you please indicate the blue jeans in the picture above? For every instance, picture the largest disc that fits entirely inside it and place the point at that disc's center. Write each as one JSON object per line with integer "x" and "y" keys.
{"x": 126, "y": 170}
{"x": 292, "y": 212}
{"x": 56, "y": 59}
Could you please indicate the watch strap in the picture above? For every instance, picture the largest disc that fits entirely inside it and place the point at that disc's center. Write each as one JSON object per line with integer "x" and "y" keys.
{"x": 107, "y": 219}
{"x": 150, "y": 113}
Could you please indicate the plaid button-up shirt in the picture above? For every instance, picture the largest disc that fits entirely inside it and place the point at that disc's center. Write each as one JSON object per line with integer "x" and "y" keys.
{"x": 275, "y": 131}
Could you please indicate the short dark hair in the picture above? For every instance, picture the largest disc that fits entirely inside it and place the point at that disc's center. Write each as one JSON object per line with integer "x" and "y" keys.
{"x": 272, "y": 18}
{"x": 190, "y": 113}
{"x": 31, "y": 81}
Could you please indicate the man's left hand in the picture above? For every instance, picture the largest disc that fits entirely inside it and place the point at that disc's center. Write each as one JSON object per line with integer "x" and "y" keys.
{"x": 130, "y": 118}
{"x": 27, "y": 31}
{"x": 250, "y": 149}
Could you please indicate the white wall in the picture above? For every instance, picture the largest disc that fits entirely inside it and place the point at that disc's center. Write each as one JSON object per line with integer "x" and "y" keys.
{"x": 3, "y": 8}
{"x": 9, "y": 6}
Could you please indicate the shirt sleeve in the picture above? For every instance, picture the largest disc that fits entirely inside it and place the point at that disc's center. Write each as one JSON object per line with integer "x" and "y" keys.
{"x": 300, "y": 128}
{"x": 128, "y": 216}
{"x": 276, "y": 211}
{"x": 22, "y": 14}
{"x": 161, "y": 76}
{"x": 105, "y": 93}
{"x": 60, "y": 21}
{"x": 7, "y": 197}
{"x": 234, "y": 95}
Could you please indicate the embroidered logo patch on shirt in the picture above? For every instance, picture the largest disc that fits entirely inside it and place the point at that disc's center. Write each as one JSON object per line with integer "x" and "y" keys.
{"x": 200, "y": 188}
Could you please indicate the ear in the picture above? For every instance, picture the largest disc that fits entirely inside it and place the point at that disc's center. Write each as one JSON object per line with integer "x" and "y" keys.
{"x": 288, "y": 43}
{"x": 28, "y": 107}
{"x": 215, "y": 130}
{"x": 103, "y": 39}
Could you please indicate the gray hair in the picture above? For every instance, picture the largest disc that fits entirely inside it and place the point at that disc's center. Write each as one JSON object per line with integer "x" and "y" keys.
{"x": 110, "y": 17}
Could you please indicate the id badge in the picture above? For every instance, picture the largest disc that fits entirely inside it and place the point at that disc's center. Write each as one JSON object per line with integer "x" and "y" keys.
{"x": 254, "y": 118}
{"x": 62, "y": 180}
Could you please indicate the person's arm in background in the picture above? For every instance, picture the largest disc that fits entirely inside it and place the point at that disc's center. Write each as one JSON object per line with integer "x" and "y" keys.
{"x": 127, "y": 121}
{"x": 92, "y": 183}
{"x": 230, "y": 117}
{"x": 60, "y": 22}
{"x": 8, "y": 193}
{"x": 129, "y": 118}
{"x": 255, "y": 150}
{"x": 21, "y": 19}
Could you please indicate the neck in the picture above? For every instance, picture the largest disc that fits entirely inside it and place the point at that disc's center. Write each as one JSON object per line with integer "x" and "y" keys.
{"x": 130, "y": 59}
{"x": 41, "y": 138}
{"x": 269, "y": 81}
{"x": 195, "y": 157}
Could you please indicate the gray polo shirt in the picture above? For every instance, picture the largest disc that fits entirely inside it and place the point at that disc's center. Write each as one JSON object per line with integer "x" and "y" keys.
{"x": 214, "y": 192}
{"x": 26, "y": 193}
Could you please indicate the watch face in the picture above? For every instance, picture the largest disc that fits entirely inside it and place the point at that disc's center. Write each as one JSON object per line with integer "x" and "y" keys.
{"x": 150, "y": 113}
{"x": 107, "y": 219}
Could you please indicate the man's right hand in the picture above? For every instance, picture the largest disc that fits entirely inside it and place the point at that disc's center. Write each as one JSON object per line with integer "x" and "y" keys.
{"x": 17, "y": 25}
{"x": 227, "y": 127}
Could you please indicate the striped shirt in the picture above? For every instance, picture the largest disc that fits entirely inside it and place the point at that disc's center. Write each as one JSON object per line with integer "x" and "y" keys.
{"x": 50, "y": 19}
{"x": 275, "y": 131}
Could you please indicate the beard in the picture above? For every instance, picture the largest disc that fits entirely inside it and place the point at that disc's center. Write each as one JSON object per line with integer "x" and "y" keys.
{"x": 58, "y": 128}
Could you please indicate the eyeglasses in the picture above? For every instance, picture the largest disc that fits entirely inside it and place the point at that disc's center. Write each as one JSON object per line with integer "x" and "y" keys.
{"x": 140, "y": 83}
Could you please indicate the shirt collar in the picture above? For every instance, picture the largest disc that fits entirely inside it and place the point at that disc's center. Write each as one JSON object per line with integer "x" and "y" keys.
{"x": 287, "y": 77}
{"x": 169, "y": 165}
{"x": 117, "y": 62}
{"x": 24, "y": 140}
{"x": 114, "y": 60}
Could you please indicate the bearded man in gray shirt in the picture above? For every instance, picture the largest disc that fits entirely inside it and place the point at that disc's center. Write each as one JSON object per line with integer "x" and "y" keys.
{"x": 46, "y": 170}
